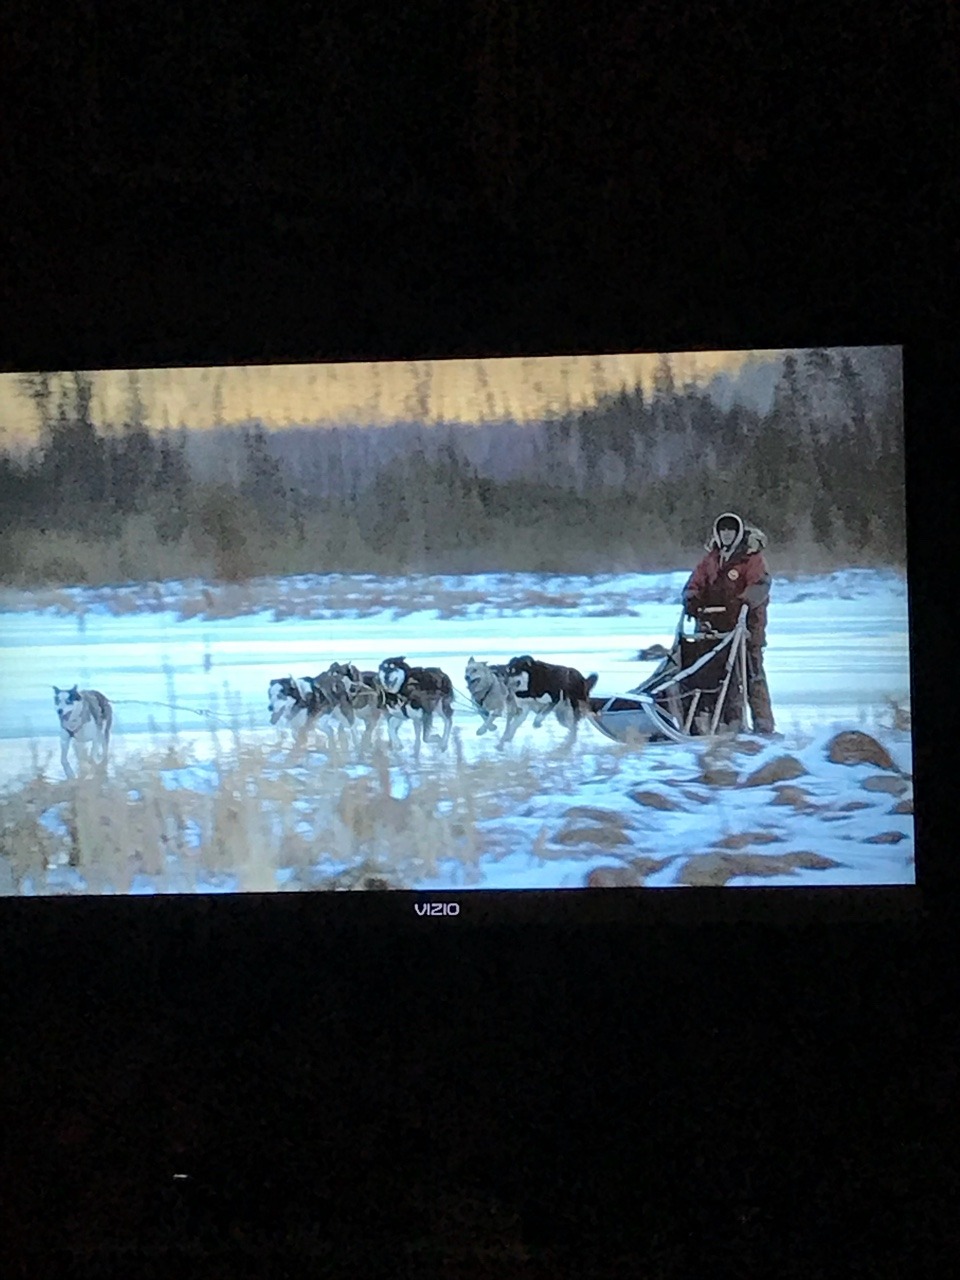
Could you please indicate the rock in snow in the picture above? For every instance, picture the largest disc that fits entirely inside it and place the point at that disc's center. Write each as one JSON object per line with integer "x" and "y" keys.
{"x": 854, "y": 747}
{"x": 782, "y": 769}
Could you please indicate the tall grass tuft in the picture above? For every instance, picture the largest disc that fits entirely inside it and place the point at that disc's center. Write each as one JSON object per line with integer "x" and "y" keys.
{"x": 255, "y": 817}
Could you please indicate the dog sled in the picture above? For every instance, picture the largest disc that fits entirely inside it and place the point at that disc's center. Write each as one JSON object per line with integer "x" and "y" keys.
{"x": 698, "y": 690}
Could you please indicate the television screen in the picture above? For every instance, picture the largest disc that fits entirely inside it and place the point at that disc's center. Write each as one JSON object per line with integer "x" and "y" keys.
{"x": 615, "y": 622}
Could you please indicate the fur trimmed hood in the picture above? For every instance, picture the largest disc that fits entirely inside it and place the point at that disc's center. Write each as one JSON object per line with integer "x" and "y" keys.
{"x": 749, "y": 540}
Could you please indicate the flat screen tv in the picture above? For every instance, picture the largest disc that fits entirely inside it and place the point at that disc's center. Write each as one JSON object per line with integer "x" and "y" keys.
{"x": 458, "y": 636}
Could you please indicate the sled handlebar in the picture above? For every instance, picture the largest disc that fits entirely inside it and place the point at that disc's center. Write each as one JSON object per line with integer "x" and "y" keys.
{"x": 720, "y": 608}
{"x": 702, "y": 617}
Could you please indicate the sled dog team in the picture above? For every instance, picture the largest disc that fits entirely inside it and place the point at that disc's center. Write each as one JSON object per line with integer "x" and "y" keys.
{"x": 733, "y": 573}
{"x": 343, "y": 697}
{"x": 397, "y": 692}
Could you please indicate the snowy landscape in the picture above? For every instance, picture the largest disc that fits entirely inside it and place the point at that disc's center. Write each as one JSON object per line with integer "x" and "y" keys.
{"x": 201, "y": 796}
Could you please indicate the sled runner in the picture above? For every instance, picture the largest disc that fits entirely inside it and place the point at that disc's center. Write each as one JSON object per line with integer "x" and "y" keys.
{"x": 697, "y": 690}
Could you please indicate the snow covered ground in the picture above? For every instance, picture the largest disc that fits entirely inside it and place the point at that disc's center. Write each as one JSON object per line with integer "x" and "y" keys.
{"x": 180, "y": 670}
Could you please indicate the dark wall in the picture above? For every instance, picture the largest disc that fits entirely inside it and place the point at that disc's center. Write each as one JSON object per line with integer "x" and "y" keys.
{"x": 243, "y": 188}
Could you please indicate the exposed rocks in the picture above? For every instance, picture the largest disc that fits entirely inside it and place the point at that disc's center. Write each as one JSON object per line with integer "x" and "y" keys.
{"x": 883, "y": 782}
{"x": 853, "y": 805}
{"x": 698, "y": 796}
{"x": 647, "y": 866}
{"x": 886, "y": 837}
{"x": 613, "y": 878}
{"x": 782, "y": 769}
{"x": 808, "y": 861}
{"x": 596, "y": 815}
{"x": 654, "y": 800}
{"x": 718, "y": 768}
{"x": 903, "y": 806}
{"x": 744, "y": 838}
{"x": 854, "y": 747}
{"x": 716, "y": 869}
{"x": 718, "y": 775}
{"x": 630, "y": 875}
{"x": 795, "y": 797}
{"x": 601, "y": 836}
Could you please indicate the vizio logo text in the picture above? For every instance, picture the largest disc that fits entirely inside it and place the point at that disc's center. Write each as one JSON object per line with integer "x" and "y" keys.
{"x": 437, "y": 908}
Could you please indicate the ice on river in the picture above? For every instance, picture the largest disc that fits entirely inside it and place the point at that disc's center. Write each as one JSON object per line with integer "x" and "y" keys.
{"x": 837, "y": 654}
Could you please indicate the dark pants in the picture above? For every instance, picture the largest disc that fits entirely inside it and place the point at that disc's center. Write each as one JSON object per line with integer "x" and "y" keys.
{"x": 758, "y": 695}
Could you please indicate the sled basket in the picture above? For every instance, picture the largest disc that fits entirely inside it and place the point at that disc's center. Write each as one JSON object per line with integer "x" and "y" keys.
{"x": 698, "y": 690}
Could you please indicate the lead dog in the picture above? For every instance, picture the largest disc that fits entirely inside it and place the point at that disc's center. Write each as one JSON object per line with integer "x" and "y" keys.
{"x": 294, "y": 703}
{"x": 85, "y": 716}
{"x": 301, "y": 703}
{"x": 490, "y": 694}
{"x": 543, "y": 687}
{"x": 416, "y": 694}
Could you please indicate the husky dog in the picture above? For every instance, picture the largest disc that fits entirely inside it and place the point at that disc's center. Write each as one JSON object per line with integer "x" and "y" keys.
{"x": 490, "y": 693}
{"x": 294, "y": 703}
{"x": 415, "y": 693}
{"x": 85, "y": 716}
{"x": 334, "y": 698}
{"x": 362, "y": 693}
{"x": 542, "y": 687}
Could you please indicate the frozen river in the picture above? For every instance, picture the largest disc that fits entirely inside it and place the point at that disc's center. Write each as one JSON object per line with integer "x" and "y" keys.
{"x": 838, "y": 647}
{"x": 837, "y": 656}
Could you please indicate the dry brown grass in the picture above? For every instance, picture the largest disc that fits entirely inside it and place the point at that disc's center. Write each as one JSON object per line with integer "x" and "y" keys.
{"x": 398, "y": 594}
{"x": 53, "y": 558}
{"x": 193, "y": 595}
{"x": 327, "y": 823}
{"x": 899, "y": 715}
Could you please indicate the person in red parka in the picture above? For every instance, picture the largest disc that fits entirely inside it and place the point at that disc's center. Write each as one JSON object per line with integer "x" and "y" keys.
{"x": 731, "y": 574}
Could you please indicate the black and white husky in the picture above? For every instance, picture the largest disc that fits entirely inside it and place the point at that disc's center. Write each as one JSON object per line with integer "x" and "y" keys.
{"x": 294, "y": 704}
{"x": 307, "y": 702}
{"x": 542, "y": 687}
{"x": 362, "y": 694}
{"x": 415, "y": 694}
{"x": 86, "y": 716}
{"x": 490, "y": 693}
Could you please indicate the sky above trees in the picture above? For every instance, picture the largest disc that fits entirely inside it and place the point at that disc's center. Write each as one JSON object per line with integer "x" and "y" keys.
{"x": 471, "y": 390}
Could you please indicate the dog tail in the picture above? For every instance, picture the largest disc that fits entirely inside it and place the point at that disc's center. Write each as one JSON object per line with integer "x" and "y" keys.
{"x": 590, "y": 682}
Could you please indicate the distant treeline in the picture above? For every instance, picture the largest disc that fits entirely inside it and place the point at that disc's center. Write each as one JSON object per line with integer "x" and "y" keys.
{"x": 631, "y": 483}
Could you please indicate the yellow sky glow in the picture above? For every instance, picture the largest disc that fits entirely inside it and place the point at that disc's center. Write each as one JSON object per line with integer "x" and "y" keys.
{"x": 523, "y": 388}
